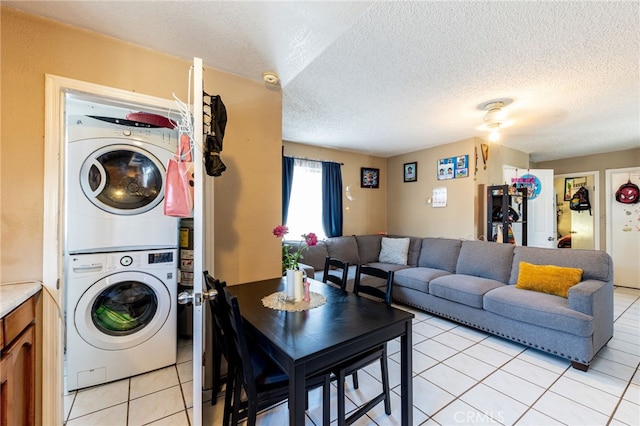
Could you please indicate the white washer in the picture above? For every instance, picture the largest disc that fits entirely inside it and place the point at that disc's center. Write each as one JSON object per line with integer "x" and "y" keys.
{"x": 115, "y": 186}
{"x": 120, "y": 315}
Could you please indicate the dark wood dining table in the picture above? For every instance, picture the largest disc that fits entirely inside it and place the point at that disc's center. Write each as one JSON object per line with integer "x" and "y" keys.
{"x": 306, "y": 342}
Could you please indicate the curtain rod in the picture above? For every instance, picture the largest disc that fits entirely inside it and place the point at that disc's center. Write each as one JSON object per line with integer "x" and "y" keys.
{"x": 311, "y": 159}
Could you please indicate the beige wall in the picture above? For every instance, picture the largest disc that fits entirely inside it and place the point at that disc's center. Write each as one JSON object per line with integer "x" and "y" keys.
{"x": 367, "y": 213}
{"x": 247, "y": 195}
{"x": 600, "y": 163}
{"x": 464, "y": 216}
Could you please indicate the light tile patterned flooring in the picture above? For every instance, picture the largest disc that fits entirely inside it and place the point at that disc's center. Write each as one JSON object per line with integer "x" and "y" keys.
{"x": 461, "y": 376}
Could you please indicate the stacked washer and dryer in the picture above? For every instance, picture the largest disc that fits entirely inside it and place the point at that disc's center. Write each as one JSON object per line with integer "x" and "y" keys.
{"x": 121, "y": 250}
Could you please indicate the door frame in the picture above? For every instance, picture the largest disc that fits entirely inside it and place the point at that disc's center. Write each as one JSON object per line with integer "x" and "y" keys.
{"x": 53, "y": 227}
{"x": 595, "y": 201}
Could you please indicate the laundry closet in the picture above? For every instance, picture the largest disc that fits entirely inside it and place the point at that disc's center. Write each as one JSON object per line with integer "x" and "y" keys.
{"x": 120, "y": 249}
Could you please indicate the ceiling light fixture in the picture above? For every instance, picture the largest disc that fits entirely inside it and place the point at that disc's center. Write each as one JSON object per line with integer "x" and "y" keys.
{"x": 495, "y": 118}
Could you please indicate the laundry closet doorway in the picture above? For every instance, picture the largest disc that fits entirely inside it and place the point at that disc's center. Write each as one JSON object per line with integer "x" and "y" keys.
{"x": 54, "y": 227}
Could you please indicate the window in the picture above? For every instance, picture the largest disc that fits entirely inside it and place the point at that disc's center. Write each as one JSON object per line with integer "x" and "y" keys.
{"x": 305, "y": 204}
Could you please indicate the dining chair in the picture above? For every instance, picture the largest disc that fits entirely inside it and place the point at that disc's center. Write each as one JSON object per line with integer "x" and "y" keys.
{"x": 219, "y": 349}
{"x": 263, "y": 381}
{"x": 331, "y": 263}
{"x": 352, "y": 366}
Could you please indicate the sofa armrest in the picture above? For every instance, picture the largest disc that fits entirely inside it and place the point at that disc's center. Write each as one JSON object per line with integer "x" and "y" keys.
{"x": 595, "y": 298}
{"x": 587, "y": 296}
{"x": 307, "y": 268}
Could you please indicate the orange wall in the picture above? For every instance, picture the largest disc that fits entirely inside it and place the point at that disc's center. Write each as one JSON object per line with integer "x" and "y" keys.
{"x": 247, "y": 199}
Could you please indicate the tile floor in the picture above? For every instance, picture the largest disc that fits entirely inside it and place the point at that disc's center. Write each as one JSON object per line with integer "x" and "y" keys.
{"x": 461, "y": 376}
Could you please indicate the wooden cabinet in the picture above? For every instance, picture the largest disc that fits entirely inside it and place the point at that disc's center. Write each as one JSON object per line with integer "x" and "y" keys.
{"x": 17, "y": 366}
{"x": 506, "y": 207}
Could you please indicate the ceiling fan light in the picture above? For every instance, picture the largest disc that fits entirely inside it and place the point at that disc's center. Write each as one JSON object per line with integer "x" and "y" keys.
{"x": 495, "y": 115}
{"x": 495, "y": 118}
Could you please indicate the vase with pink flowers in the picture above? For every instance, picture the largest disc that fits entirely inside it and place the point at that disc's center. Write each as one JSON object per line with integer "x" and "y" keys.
{"x": 290, "y": 262}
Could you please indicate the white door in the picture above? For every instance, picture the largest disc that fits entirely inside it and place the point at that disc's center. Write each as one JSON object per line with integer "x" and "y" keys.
{"x": 541, "y": 204}
{"x": 582, "y": 230}
{"x": 198, "y": 242}
{"x": 623, "y": 229}
{"x": 582, "y": 221}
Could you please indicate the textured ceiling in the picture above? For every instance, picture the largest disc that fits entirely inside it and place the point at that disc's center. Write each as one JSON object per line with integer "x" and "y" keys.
{"x": 386, "y": 78}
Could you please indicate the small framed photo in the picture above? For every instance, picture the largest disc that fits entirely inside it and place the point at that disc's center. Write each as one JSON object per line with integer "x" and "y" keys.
{"x": 411, "y": 172}
{"x": 568, "y": 189}
{"x": 369, "y": 178}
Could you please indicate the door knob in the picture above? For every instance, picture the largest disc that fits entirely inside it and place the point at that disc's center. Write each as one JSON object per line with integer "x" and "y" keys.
{"x": 186, "y": 297}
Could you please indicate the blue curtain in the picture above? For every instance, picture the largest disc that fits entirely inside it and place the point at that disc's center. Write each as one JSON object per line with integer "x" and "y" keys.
{"x": 332, "y": 199}
{"x": 287, "y": 183}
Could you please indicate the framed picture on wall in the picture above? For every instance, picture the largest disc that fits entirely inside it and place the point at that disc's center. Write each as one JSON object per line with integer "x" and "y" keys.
{"x": 446, "y": 167}
{"x": 369, "y": 177}
{"x": 568, "y": 189}
{"x": 411, "y": 172}
{"x": 453, "y": 167}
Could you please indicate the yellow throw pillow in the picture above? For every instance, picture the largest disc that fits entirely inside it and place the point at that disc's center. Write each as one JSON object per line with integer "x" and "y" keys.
{"x": 548, "y": 278}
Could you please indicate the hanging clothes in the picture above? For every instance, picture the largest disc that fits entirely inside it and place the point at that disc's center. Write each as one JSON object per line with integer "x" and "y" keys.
{"x": 215, "y": 129}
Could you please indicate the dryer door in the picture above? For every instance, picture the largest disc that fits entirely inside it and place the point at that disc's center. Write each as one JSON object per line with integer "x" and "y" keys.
{"x": 123, "y": 179}
{"x": 122, "y": 310}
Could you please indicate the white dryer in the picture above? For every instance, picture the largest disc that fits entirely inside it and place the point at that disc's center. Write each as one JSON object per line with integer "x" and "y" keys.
{"x": 115, "y": 175}
{"x": 120, "y": 314}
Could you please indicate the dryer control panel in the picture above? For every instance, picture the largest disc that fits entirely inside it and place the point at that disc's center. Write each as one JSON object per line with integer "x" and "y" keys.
{"x": 117, "y": 261}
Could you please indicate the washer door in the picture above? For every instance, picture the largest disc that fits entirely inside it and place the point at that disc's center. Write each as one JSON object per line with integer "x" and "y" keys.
{"x": 123, "y": 179}
{"x": 122, "y": 310}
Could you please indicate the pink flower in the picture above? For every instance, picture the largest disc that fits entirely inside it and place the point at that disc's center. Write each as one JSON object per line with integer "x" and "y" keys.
{"x": 311, "y": 239}
{"x": 280, "y": 231}
{"x": 290, "y": 259}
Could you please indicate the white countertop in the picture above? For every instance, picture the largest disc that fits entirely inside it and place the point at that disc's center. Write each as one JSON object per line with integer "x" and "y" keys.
{"x": 13, "y": 294}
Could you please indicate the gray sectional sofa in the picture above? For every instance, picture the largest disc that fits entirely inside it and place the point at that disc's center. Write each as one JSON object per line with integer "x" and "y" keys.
{"x": 473, "y": 283}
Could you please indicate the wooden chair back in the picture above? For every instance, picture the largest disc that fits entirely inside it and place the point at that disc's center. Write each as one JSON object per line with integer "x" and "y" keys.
{"x": 385, "y": 294}
{"x": 332, "y": 263}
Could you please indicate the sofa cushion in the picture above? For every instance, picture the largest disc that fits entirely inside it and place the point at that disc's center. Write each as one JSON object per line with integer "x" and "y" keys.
{"x": 414, "y": 251}
{"x": 466, "y": 289}
{"x": 485, "y": 259}
{"x": 440, "y": 253}
{"x": 548, "y": 278}
{"x": 415, "y": 244}
{"x": 344, "y": 248}
{"x": 368, "y": 247}
{"x": 417, "y": 278}
{"x": 313, "y": 256}
{"x": 595, "y": 264}
{"x": 541, "y": 309}
{"x": 394, "y": 250}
